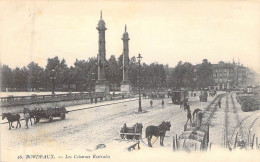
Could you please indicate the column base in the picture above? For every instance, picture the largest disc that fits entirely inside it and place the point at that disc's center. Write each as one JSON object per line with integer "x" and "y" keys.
{"x": 102, "y": 86}
{"x": 125, "y": 89}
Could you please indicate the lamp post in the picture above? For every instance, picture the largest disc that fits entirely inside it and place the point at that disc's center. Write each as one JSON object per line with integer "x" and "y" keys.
{"x": 53, "y": 81}
{"x": 37, "y": 83}
{"x": 93, "y": 81}
{"x": 139, "y": 70}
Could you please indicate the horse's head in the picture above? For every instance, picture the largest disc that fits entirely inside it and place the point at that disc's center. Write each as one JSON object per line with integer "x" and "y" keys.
{"x": 168, "y": 126}
{"x": 164, "y": 126}
{"x": 3, "y": 116}
{"x": 200, "y": 115}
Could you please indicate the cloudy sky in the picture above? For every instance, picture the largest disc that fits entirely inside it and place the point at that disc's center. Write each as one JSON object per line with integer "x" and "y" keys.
{"x": 163, "y": 31}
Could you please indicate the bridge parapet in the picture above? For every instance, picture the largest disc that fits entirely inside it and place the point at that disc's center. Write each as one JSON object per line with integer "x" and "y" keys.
{"x": 36, "y": 99}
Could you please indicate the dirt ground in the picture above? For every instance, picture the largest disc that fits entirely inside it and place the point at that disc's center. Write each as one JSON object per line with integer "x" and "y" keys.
{"x": 83, "y": 130}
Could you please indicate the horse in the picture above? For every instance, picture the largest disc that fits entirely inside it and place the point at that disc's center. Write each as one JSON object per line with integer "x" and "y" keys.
{"x": 11, "y": 118}
{"x": 195, "y": 112}
{"x": 157, "y": 131}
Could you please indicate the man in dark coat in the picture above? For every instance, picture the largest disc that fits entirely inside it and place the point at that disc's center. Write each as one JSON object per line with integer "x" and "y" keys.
{"x": 219, "y": 104}
{"x": 188, "y": 116}
{"x": 162, "y": 103}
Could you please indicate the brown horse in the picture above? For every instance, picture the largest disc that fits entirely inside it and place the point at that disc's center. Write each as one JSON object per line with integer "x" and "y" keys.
{"x": 157, "y": 131}
{"x": 11, "y": 118}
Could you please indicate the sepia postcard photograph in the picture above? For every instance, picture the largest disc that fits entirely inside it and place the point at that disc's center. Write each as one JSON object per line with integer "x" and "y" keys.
{"x": 129, "y": 80}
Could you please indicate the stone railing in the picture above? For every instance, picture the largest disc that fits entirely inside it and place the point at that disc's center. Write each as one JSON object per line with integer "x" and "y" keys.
{"x": 35, "y": 99}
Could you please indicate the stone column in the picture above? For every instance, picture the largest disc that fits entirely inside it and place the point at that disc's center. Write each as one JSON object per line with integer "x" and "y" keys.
{"x": 102, "y": 85}
{"x": 125, "y": 84}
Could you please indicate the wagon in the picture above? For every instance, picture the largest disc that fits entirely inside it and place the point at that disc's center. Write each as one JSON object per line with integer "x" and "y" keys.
{"x": 179, "y": 96}
{"x": 131, "y": 133}
{"x": 204, "y": 96}
{"x": 50, "y": 113}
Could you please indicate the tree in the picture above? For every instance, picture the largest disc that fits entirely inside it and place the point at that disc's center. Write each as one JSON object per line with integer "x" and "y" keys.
{"x": 20, "y": 78}
{"x": 80, "y": 74}
{"x": 204, "y": 74}
{"x": 59, "y": 67}
{"x": 182, "y": 75}
{"x": 35, "y": 75}
{"x": 188, "y": 75}
{"x": 113, "y": 72}
{"x": 133, "y": 72}
{"x": 6, "y": 77}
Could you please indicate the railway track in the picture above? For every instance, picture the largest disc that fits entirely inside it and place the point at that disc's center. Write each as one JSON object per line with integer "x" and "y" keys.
{"x": 238, "y": 125}
{"x": 226, "y": 120}
{"x": 211, "y": 109}
{"x": 239, "y": 130}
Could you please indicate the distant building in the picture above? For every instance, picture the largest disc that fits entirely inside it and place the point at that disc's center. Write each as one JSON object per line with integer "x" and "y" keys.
{"x": 230, "y": 75}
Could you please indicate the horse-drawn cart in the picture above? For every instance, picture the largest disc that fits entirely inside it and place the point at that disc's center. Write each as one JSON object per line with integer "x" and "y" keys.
{"x": 131, "y": 133}
{"x": 50, "y": 113}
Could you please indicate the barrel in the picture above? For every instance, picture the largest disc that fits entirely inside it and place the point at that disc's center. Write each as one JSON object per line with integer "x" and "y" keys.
{"x": 197, "y": 137}
{"x": 200, "y": 133}
{"x": 184, "y": 136}
{"x": 189, "y": 145}
{"x": 191, "y": 128}
{"x": 186, "y": 132}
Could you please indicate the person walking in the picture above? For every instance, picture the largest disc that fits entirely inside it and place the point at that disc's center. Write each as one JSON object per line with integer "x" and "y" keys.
{"x": 187, "y": 107}
{"x": 162, "y": 103}
{"x": 151, "y": 103}
{"x": 219, "y": 104}
{"x": 188, "y": 116}
{"x": 181, "y": 106}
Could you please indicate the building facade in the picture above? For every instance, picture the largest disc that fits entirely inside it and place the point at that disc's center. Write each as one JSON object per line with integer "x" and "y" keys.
{"x": 229, "y": 75}
{"x": 223, "y": 76}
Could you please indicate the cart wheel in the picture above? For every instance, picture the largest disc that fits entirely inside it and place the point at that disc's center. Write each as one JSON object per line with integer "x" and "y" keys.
{"x": 62, "y": 116}
{"x": 50, "y": 119}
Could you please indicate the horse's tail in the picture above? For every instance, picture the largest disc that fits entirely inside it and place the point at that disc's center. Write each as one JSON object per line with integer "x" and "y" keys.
{"x": 146, "y": 132}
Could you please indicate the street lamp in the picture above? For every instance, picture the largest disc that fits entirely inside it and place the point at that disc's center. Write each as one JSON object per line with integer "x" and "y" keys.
{"x": 53, "y": 81}
{"x": 139, "y": 70}
{"x": 93, "y": 80}
{"x": 37, "y": 83}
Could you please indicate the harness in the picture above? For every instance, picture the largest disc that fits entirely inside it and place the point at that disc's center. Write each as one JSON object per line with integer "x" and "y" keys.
{"x": 160, "y": 130}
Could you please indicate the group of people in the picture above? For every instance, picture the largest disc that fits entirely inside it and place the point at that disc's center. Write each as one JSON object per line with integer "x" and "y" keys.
{"x": 197, "y": 112}
{"x": 151, "y": 103}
